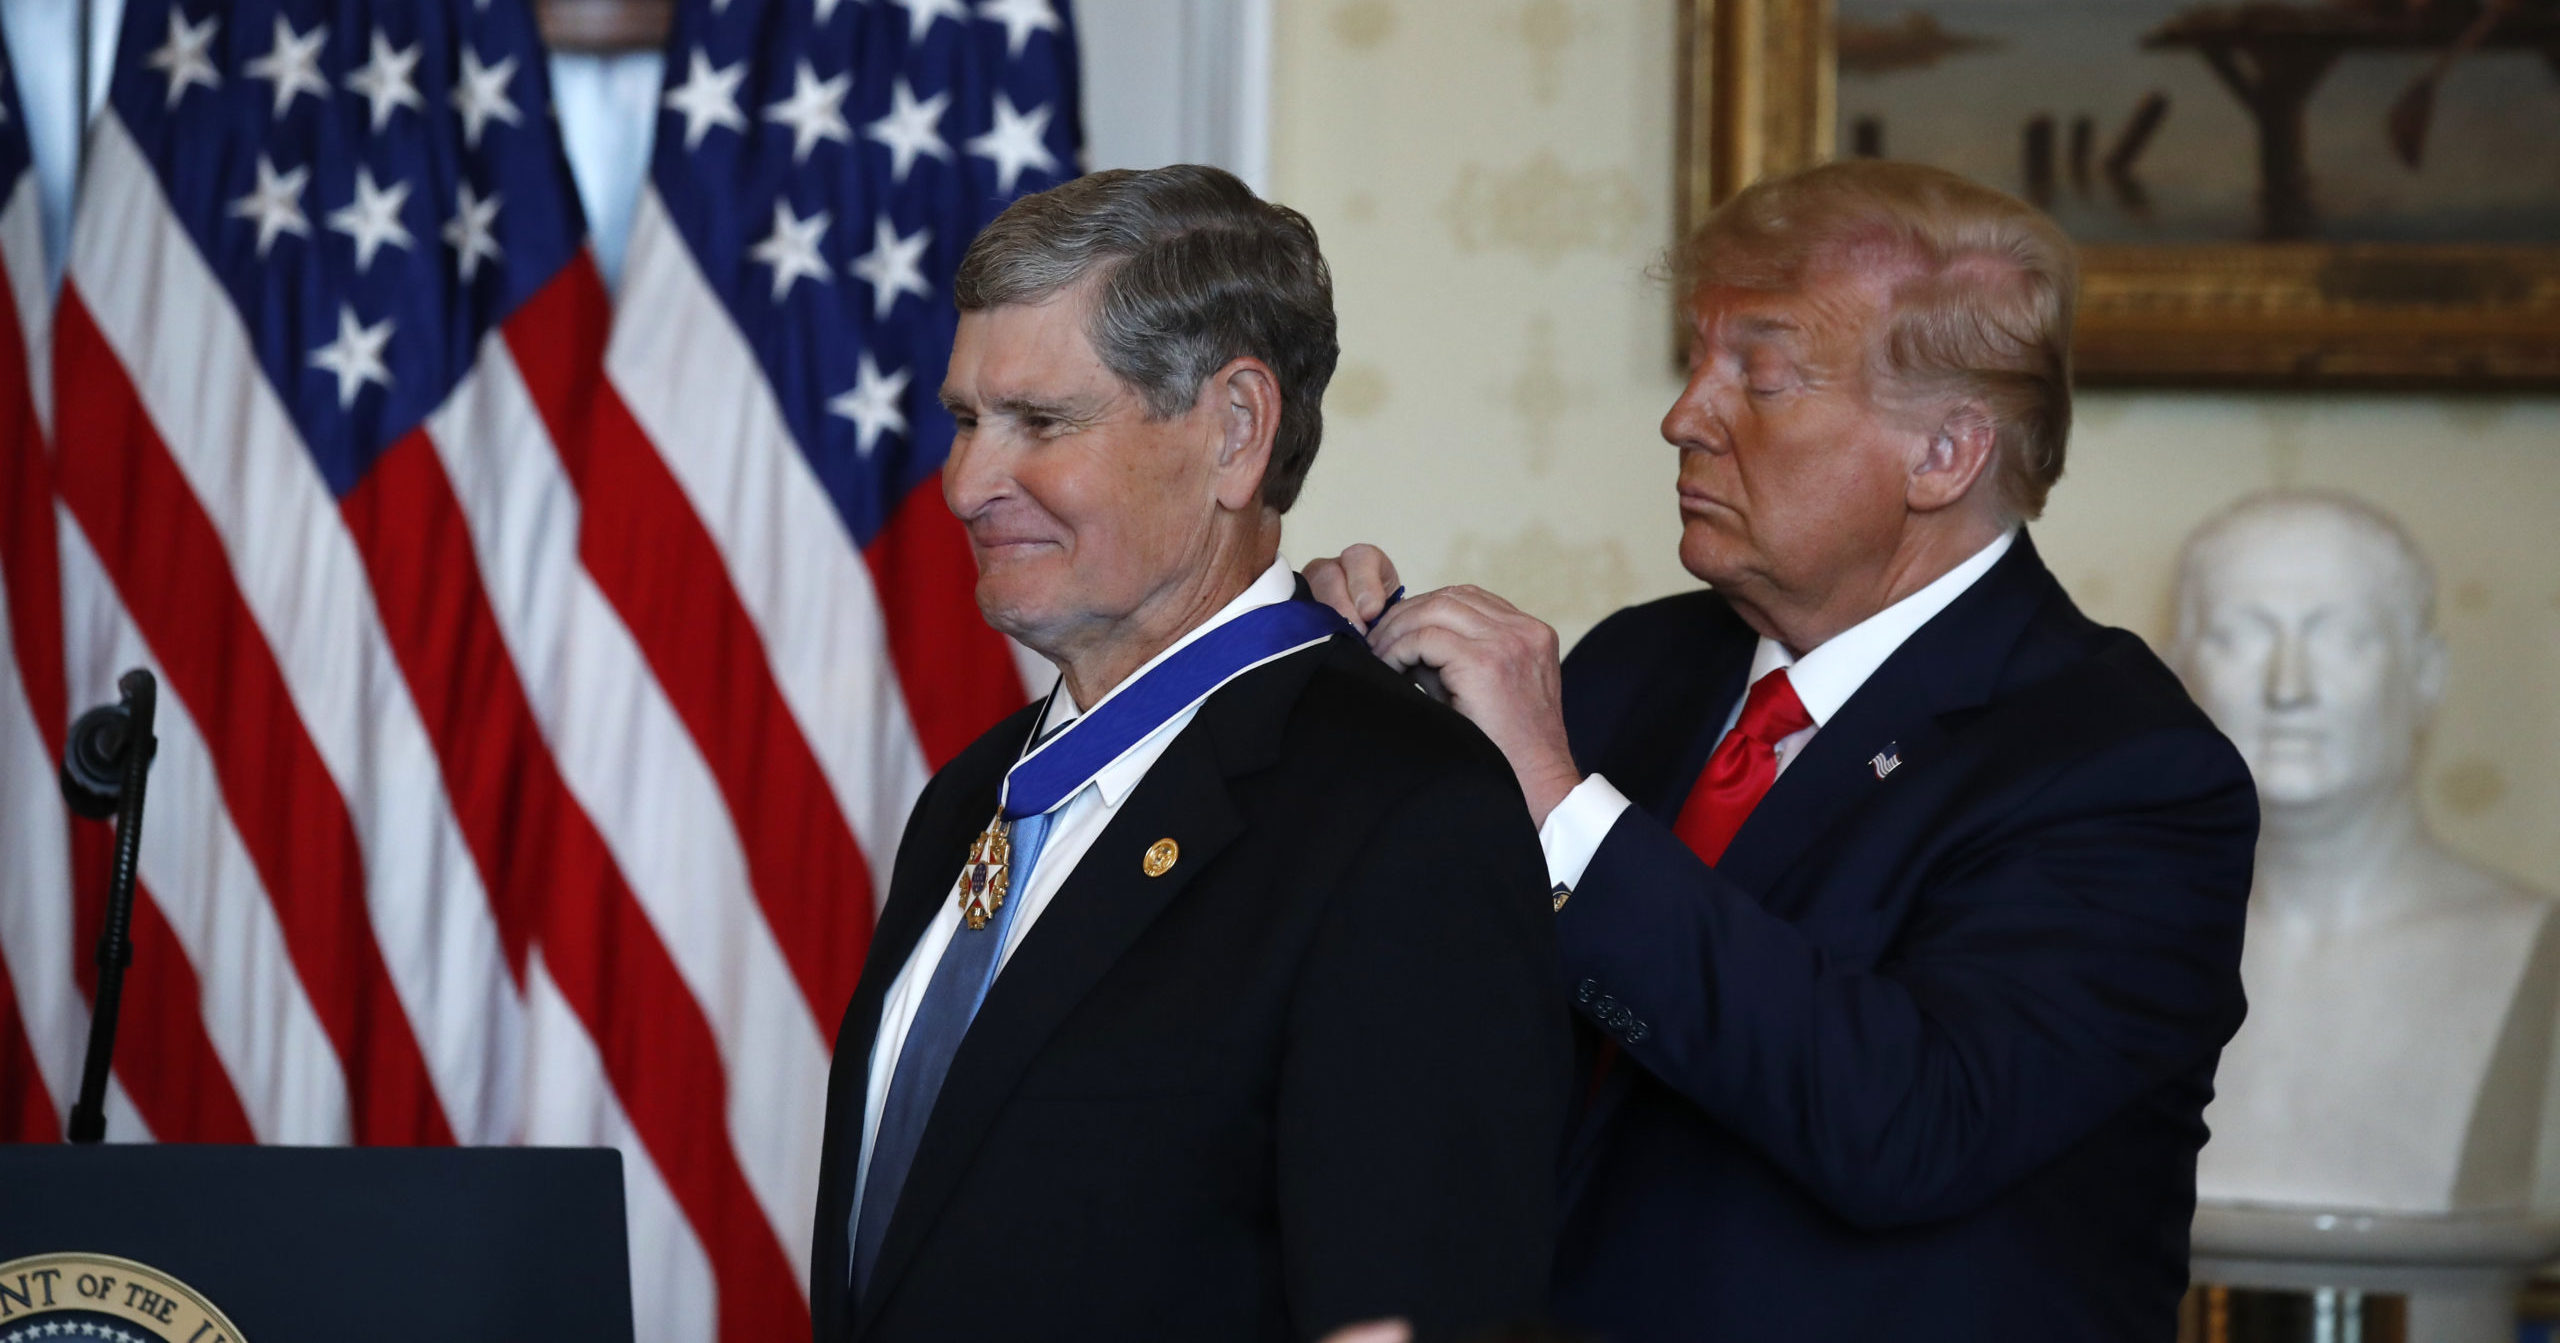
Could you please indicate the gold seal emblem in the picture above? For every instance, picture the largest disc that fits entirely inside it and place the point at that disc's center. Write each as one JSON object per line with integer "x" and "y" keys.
{"x": 101, "y": 1297}
{"x": 1160, "y": 858}
{"x": 984, "y": 879}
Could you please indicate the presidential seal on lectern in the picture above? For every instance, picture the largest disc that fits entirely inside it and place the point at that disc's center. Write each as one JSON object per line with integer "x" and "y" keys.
{"x": 51, "y": 1298}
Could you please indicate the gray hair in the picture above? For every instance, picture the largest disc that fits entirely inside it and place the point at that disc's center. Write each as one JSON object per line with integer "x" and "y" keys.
{"x": 2407, "y": 583}
{"x": 1195, "y": 271}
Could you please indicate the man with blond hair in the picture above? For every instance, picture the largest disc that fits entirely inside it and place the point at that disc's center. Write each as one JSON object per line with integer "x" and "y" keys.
{"x": 1900, "y": 903}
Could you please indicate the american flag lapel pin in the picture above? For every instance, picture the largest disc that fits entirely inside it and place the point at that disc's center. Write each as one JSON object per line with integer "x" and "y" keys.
{"x": 1887, "y": 760}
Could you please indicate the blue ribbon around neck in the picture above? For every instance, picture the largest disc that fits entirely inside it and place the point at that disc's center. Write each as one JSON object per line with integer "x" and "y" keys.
{"x": 1067, "y": 762}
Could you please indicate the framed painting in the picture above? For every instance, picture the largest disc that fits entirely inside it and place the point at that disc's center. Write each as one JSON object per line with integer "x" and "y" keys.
{"x": 2270, "y": 192}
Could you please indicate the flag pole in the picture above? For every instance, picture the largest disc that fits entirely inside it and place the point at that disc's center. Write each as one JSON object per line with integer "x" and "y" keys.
{"x": 87, "y": 18}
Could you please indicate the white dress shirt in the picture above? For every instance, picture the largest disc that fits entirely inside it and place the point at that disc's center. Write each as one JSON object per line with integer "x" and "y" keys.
{"x": 1075, "y": 824}
{"x": 1824, "y": 679}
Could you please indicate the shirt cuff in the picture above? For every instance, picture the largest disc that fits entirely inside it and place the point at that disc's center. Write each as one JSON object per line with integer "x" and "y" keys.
{"x": 1575, "y": 828}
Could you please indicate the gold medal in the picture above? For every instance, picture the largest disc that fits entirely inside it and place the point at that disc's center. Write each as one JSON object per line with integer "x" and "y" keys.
{"x": 983, "y": 881}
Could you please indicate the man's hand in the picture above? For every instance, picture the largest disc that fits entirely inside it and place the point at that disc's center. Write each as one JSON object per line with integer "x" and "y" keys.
{"x": 1356, "y": 583}
{"x": 1501, "y": 669}
{"x": 1498, "y": 663}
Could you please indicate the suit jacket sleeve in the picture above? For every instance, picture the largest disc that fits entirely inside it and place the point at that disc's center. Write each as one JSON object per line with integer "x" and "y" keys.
{"x": 2081, "y": 951}
{"x": 1423, "y": 1094}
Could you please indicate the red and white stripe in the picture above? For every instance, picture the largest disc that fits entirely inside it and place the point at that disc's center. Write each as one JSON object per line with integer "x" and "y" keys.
{"x": 538, "y": 790}
{"x": 43, "y": 1016}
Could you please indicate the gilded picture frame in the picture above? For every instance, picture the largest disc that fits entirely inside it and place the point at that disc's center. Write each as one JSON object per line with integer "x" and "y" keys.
{"x": 1758, "y": 96}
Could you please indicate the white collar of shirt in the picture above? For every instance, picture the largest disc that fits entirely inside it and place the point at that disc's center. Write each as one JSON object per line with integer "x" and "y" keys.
{"x": 1826, "y": 677}
{"x": 1077, "y": 822}
{"x": 1277, "y": 584}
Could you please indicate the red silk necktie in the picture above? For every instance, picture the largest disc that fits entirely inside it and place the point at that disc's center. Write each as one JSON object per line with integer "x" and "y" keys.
{"x": 1738, "y": 775}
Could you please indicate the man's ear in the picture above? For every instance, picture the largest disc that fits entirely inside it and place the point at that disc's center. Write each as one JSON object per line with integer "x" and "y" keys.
{"x": 1958, "y": 454}
{"x": 1246, "y": 395}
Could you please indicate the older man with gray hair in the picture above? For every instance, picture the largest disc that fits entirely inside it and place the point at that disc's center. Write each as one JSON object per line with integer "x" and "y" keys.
{"x": 1901, "y": 904}
{"x": 1214, "y": 996}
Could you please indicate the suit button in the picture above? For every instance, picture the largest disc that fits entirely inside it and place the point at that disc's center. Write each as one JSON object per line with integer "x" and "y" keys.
{"x": 1585, "y": 991}
{"x": 1637, "y": 1031}
{"x": 1606, "y": 1009}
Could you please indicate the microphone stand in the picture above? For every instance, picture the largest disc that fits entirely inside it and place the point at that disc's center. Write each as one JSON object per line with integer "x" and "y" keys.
{"x": 105, "y": 767}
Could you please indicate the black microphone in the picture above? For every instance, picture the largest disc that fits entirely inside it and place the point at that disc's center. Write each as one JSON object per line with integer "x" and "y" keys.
{"x": 105, "y": 765}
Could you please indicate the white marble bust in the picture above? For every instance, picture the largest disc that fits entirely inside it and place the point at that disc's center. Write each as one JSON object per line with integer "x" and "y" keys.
{"x": 2398, "y": 1050}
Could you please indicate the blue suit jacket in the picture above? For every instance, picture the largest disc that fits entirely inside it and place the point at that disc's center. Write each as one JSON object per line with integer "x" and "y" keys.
{"x": 1926, "y": 1054}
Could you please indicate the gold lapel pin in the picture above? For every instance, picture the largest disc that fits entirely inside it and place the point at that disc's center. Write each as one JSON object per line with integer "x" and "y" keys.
{"x": 1160, "y": 857}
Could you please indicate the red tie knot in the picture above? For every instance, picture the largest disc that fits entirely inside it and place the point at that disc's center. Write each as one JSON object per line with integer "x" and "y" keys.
{"x": 1771, "y": 712}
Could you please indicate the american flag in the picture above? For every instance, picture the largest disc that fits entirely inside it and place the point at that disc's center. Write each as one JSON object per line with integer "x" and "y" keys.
{"x": 39, "y": 1000}
{"x": 545, "y": 680}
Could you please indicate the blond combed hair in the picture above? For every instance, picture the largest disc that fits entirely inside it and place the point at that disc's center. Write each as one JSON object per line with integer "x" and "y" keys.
{"x": 1982, "y": 291}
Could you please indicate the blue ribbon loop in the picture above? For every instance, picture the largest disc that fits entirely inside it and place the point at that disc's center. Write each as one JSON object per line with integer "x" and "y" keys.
{"x": 1067, "y": 762}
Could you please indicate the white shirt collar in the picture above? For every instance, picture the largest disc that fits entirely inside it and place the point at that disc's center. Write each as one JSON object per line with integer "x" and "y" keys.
{"x": 1826, "y": 677}
{"x": 1277, "y": 584}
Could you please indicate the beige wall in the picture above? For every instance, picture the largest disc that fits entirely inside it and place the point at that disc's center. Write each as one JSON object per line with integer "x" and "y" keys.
{"x": 1492, "y": 177}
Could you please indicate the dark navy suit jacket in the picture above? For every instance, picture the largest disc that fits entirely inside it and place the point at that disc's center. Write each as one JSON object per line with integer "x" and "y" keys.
{"x": 1314, "y": 1072}
{"x": 1925, "y": 1056}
